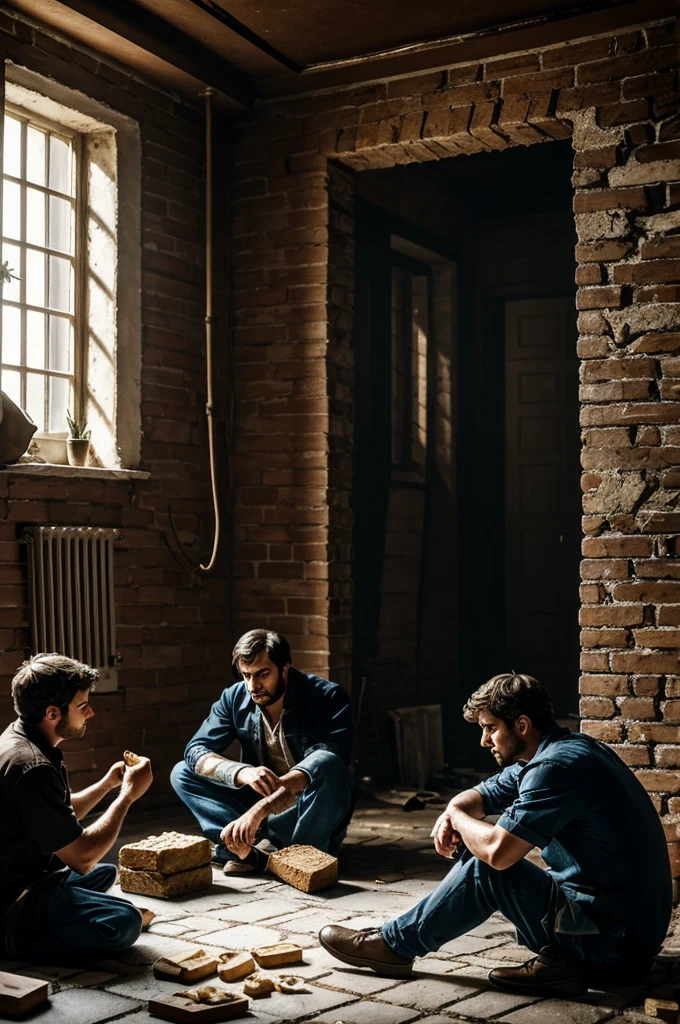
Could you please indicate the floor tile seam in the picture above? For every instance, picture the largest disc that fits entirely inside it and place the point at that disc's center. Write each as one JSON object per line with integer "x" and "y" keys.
{"x": 415, "y": 1006}
{"x": 364, "y": 996}
{"x": 305, "y": 1016}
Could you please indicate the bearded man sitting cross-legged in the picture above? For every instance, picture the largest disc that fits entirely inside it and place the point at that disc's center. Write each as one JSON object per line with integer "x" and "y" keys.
{"x": 293, "y": 783}
{"x": 598, "y": 914}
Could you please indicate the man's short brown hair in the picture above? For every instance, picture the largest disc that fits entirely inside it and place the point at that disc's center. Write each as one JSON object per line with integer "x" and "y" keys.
{"x": 509, "y": 695}
{"x": 254, "y": 643}
{"x": 49, "y": 680}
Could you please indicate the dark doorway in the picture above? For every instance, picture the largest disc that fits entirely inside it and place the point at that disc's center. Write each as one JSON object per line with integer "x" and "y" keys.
{"x": 495, "y": 496}
{"x": 541, "y": 510}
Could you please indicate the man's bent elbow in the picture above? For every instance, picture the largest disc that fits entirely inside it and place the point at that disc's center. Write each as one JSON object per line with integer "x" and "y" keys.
{"x": 500, "y": 858}
{"x": 81, "y": 865}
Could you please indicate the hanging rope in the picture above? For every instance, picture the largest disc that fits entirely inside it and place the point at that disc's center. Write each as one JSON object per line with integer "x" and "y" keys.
{"x": 208, "y": 94}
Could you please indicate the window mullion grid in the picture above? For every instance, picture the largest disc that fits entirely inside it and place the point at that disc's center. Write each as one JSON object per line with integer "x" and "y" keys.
{"x": 23, "y": 199}
{"x": 46, "y": 388}
{"x": 80, "y": 339}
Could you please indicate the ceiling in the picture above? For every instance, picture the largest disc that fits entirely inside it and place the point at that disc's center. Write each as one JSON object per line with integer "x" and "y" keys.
{"x": 252, "y": 49}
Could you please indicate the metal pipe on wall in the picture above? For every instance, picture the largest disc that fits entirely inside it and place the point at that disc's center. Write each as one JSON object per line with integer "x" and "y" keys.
{"x": 208, "y": 94}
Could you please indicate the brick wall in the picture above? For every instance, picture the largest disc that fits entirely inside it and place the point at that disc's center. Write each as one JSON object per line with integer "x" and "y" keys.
{"x": 171, "y": 623}
{"x": 617, "y": 98}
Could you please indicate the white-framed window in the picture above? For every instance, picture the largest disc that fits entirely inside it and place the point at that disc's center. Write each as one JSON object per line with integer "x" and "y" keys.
{"x": 70, "y": 331}
{"x": 41, "y": 338}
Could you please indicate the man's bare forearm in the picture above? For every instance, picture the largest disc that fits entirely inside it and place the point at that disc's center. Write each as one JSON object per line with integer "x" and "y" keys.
{"x": 86, "y": 799}
{"x": 292, "y": 784}
{"x": 469, "y": 801}
{"x": 98, "y": 838}
{"x": 479, "y": 836}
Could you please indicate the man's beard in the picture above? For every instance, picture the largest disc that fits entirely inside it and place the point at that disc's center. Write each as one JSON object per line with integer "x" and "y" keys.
{"x": 66, "y": 731}
{"x": 512, "y": 755}
{"x": 277, "y": 695}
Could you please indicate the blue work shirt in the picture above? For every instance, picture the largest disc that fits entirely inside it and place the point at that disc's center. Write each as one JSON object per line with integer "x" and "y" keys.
{"x": 316, "y": 716}
{"x": 597, "y": 830}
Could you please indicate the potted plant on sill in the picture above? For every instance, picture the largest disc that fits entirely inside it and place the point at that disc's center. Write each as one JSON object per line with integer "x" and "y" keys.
{"x": 78, "y": 441}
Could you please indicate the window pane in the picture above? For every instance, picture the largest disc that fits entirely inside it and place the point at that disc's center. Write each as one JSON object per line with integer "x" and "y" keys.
{"x": 10, "y": 383}
{"x": 60, "y": 165}
{"x": 35, "y": 217}
{"x": 60, "y": 225}
{"x": 35, "y": 156}
{"x": 12, "y": 289}
{"x": 11, "y": 210}
{"x": 61, "y": 399}
{"x": 60, "y": 284}
{"x": 61, "y": 344}
{"x": 35, "y": 398}
{"x": 35, "y": 278}
{"x": 12, "y": 147}
{"x": 35, "y": 339}
{"x": 11, "y": 335}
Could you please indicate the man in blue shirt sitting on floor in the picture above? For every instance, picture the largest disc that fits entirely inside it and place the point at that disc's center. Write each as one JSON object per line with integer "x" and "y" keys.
{"x": 293, "y": 783}
{"x": 600, "y": 911}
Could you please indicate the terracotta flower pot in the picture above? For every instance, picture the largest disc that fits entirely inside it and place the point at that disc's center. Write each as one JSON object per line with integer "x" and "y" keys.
{"x": 77, "y": 449}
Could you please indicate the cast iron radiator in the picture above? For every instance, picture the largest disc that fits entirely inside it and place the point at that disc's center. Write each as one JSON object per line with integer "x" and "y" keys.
{"x": 70, "y": 592}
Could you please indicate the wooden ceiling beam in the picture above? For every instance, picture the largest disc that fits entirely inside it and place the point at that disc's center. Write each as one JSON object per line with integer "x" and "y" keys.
{"x": 479, "y": 46}
{"x": 155, "y": 35}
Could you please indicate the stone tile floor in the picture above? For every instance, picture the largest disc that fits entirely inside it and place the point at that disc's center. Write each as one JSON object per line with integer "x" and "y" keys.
{"x": 387, "y": 864}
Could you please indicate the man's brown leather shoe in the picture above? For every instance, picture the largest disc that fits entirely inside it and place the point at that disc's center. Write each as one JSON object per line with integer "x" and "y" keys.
{"x": 547, "y": 974}
{"x": 364, "y": 948}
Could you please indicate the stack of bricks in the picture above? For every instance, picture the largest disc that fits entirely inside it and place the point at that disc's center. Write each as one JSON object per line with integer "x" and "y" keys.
{"x": 616, "y": 97}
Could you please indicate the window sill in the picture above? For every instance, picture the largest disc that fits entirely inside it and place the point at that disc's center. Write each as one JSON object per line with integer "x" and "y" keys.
{"x": 49, "y": 469}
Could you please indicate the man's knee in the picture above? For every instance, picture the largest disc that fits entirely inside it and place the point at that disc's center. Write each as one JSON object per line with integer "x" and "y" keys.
{"x": 100, "y": 878}
{"x": 178, "y": 777}
{"x": 124, "y": 928}
{"x": 330, "y": 769}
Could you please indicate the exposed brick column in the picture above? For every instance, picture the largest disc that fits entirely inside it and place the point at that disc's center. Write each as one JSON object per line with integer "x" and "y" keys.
{"x": 627, "y": 150}
{"x": 281, "y": 447}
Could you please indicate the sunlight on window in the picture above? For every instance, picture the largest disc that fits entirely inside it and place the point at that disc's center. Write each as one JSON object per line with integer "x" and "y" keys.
{"x": 38, "y": 305}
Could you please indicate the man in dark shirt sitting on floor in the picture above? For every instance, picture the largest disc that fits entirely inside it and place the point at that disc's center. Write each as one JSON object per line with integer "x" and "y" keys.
{"x": 598, "y": 914}
{"x": 53, "y": 899}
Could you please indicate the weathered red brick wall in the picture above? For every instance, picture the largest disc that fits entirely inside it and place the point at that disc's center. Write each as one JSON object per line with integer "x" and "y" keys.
{"x": 172, "y": 624}
{"x": 617, "y": 97}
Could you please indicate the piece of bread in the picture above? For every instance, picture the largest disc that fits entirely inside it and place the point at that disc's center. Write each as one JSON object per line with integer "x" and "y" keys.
{"x": 235, "y": 964}
{"x": 278, "y": 954}
{"x": 130, "y": 758}
{"x": 191, "y": 967}
{"x": 258, "y": 986}
{"x": 153, "y": 883}
{"x": 304, "y": 867}
{"x": 168, "y": 853}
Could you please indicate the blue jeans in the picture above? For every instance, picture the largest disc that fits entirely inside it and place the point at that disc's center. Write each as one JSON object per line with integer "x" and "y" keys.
{"x": 73, "y": 915}
{"x": 523, "y": 893}
{"x": 319, "y": 818}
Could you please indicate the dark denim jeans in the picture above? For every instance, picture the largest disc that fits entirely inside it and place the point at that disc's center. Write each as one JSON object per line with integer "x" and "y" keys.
{"x": 73, "y": 915}
{"x": 320, "y": 817}
{"x": 523, "y": 893}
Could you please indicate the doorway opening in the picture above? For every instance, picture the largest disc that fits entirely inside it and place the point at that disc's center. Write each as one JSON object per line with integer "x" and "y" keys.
{"x": 466, "y": 496}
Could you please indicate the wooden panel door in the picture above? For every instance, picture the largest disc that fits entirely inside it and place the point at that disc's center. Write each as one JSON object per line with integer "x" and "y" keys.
{"x": 542, "y": 494}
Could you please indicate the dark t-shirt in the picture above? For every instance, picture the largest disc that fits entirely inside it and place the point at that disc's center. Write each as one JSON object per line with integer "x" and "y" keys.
{"x": 597, "y": 830}
{"x": 35, "y": 810}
